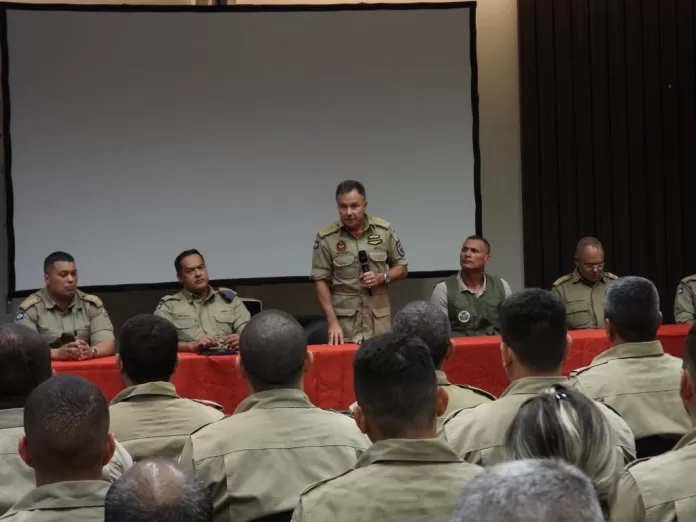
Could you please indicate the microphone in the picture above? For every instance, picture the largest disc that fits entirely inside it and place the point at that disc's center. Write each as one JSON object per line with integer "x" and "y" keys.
{"x": 365, "y": 265}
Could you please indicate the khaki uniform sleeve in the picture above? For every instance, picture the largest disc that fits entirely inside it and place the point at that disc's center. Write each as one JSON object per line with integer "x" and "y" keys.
{"x": 322, "y": 263}
{"x": 556, "y": 290}
{"x": 684, "y": 304}
{"x": 241, "y": 315}
{"x": 439, "y": 297}
{"x": 100, "y": 327}
{"x": 396, "y": 255}
{"x": 164, "y": 311}
{"x": 628, "y": 506}
{"x": 118, "y": 465}
{"x": 27, "y": 318}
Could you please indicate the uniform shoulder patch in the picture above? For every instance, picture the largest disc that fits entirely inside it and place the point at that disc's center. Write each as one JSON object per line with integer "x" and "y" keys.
{"x": 321, "y": 482}
{"x": 609, "y": 275}
{"x": 211, "y": 404}
{"x": 93, "y": 299}
{"x": 30, "y": 301}
{"x": 689, "y": 279}
{"x": 382, "y": 223}
{"x": 227, "y": 294}
{"x": 329, "y": 229}
{"x": 562, "y": 279}
{"x": 479, "y": 391}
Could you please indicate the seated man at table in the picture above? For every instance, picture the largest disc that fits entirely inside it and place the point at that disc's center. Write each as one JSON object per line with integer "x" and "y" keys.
{"x": 535, "y": 344}
{"x": 409, "y": 473}
{"x": 635, "y": 376}
{"x": 25, "y": 363}
{"x": 257, "y": 461}
{"x": 204, "y": 318}
{"x": 471, "y": 297}
{"x": 75, "y": 324}
{"x": 583, "y": 290}
{"x": 685, "y": 300}
{"x": 149, "y": 417}
{"x": 66, "y": 441}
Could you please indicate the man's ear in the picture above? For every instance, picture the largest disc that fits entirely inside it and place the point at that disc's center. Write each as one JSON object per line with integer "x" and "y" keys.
{"x": 308, "y": 362}
{"x": 119, "y": 363}
{"x": 109, "y": 448}
{"x": 441, "y": 401}
{"x": 660, "y": 319}
{"x": 686, "y": 387}
{"x": 239, "y": 366}
{"x": 569, "y": 344}
{"x": 23, "y": 451}
{"x": 609, "y": 329}
{"x": 360, "y": 419}
{"x": 450, "y": 350}
{"x": 506, "y": 355}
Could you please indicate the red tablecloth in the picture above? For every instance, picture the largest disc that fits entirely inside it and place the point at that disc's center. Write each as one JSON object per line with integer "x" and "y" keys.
{"x": 476, "y": 361}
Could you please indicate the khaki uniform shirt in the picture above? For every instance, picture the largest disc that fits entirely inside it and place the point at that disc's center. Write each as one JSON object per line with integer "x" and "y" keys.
{"x": 478, "y": 434}
{"x": 584, "y": 302}
{"x": 641, "y": 382}
{"x": 85, "y": 318}
{"x": 151, "y": 420}
{"x": 685, "y": 300}
{"x": 79, "y": 501}
{"x": 17, "y": 479}
{"x": 660, "y": 489}
{"x": 335, "y": 259}
{"x": 257, "y": 461}
{"x": 394, "y": 481}
{"x": 461, "y": 396}
{"x": 222, "y": 313}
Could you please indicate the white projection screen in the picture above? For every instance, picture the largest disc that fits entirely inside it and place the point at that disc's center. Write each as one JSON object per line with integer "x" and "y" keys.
{"x": 137, "y": 133}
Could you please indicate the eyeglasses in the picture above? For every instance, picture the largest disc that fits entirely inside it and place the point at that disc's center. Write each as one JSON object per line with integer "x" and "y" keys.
{"x": 592, "y": 266}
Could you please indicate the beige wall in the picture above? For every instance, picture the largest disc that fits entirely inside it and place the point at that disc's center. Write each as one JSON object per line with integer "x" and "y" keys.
{"x": 500, "y": 176}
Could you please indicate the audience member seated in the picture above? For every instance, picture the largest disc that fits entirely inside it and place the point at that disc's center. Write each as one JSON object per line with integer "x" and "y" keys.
{"x": 409, "y": 473}
{"x": 635, "y": 376}
{"x": 535, "y": 344}
{"x": 25, "y": 362}
{"x": 149, "y": 417}
{"x": 158, "y": 490}
{"x": 529, "y": 491}
{"x": 662, "y": 489}
{"x": 566, "y": 425}
{"x": 257, "y": 461}
{"x": 66, "y": 441}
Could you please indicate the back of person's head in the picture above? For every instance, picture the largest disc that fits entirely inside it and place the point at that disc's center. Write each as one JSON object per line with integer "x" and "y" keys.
{"x": 533, "y": 325}
{"x": 427, "y": 321}
{"x": 66, "y": 426}
{"x": 566, "y": 425}
{"x": 148, "y": 347}
{"x": 25, "y": 362}
{"x": 632, "y": 306}
{"x": 158, "y": 490}
{"x": 394, "y": 380}
{"x": 529, "y": 491}
{"x": 273, "y": 351}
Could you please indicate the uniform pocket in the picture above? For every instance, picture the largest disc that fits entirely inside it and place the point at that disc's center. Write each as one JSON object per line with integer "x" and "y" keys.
{"x": 184, "y": 323}
{"x": 345, "y": 312}
{"x": 579, "y": 315}
{"x": 225, "y": 322}
{"x": 346, "y": 267}
{"x": 378, "y": 257}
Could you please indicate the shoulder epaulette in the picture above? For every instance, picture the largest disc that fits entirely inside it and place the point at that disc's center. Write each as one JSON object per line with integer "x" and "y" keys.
{"x": 172, "y": 297}
{"x": 30, "y": 301}
{"x": 688, "y": 279}
{"x": 563, "y": 279}
{"x": 329, "y": 229}
{"x": 382, "y": 223}
{"x": 227, "y": 294}
{"x": 212, "y": 404}
{"x": 92, "y": 299}
{"x": 637, "y": 461}
{"x": 578, "y": 371}
{"x": 316, "y": 484}
{"x": 610, "y": 275}
{"x": 477, "y": 390}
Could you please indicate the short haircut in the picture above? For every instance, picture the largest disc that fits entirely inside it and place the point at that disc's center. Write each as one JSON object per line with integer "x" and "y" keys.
{"x": 689, "y": 352}
{"x": 25, "y": 360}
{"x": 158, "y": 490}
{"x": 566, "y": 425}
{"x": 586, "y": 242}
{"x": 66, "y": 421}
{"x": 56, "y": 257}
{"x": 482, "y": 239}
{"x": 632, "y": 304}
{"x": 344, "y": 187}
{"x": 394, "y": 380}
{"x": 533, "y": 324}
{"x": 148, "y": 347}
{"x": 273, "y": 348}
{"x": 185, "y": 253}
{"x": 529, "y": 491}
{"x": 430, "y": 323}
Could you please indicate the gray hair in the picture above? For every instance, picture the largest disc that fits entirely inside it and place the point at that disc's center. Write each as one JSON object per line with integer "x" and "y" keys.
{"x": 529, "y": 491}
{"x": 564, "y": 424}
{"x": 430, "y": 323}
{"x": 587, "y": 242}
{"x": 632, "y": 304}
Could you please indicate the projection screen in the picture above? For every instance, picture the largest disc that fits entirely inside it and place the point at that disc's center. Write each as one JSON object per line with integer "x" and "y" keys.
{"x": 136, "y": 134}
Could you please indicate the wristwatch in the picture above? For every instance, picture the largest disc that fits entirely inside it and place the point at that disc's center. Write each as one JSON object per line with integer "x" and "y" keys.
{"x": 387, "y": 279}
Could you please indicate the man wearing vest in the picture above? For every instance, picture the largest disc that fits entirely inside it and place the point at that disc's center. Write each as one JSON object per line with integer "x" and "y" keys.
{"x": 471, "y": 297}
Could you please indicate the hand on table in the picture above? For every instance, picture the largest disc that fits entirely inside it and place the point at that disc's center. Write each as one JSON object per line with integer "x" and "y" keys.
{"x": 231, "y": 341}
{"x": 335, "y": 333}
{"x": 205, "y": 342}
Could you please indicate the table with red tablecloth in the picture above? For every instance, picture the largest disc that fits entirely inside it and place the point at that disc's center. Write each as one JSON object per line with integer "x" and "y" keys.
{"x": 329, "y": 384}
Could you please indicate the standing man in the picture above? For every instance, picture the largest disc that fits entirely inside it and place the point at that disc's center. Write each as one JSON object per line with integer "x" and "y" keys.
{"x": 204, "y": 318}
{"x": 352, "y": 291}
{"x": 583, "y": 290}
{"x": 471, "y": 297}
{"x": 75, "y": 324}
{"x": 685, "y": 300}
